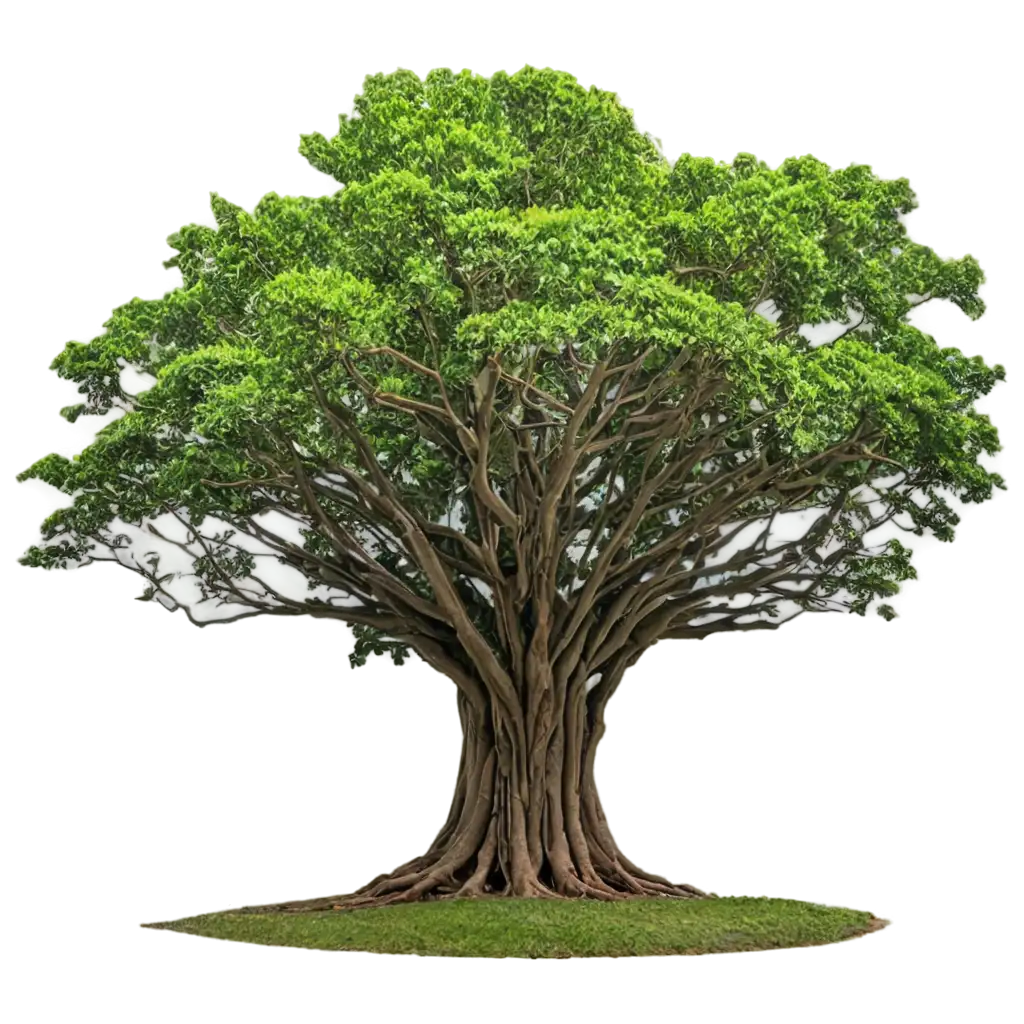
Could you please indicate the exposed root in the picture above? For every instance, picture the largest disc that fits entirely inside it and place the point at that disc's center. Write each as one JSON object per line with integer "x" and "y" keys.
{"x": 448, "y": 880}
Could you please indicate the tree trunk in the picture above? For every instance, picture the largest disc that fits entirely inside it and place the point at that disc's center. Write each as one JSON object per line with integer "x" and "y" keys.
{"x": 525, "y": 819}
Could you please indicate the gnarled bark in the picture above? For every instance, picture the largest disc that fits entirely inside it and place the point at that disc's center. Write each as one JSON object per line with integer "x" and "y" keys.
{"x": 546, "y": 838}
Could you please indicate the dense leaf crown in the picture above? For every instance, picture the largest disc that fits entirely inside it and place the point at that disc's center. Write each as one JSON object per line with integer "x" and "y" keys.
{"x": 506, "y": 222}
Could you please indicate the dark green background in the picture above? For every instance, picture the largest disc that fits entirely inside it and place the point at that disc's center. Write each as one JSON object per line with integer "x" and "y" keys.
{"x": 146, "y": 769}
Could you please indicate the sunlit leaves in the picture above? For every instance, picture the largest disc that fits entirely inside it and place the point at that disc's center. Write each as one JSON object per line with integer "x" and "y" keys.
{"x": 567, "y": 255}
{"x": 447, "y": 130}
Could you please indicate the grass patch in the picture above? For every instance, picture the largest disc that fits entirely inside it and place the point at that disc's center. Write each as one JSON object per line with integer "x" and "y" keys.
{"x": 502, "y": 927}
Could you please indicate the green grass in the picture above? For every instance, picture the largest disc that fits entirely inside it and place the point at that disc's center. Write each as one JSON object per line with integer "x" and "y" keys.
{"x": 546, "y": 928}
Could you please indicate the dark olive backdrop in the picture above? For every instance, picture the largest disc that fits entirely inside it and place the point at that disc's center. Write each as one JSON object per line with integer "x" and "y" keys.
{"x": 146, "y": 769}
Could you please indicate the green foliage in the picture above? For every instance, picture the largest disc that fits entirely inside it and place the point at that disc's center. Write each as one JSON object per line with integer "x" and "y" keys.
{"x": 511, "y": 216}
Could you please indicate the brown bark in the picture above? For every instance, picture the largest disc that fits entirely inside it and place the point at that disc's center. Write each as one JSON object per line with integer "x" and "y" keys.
{"x": 546, "y": 839}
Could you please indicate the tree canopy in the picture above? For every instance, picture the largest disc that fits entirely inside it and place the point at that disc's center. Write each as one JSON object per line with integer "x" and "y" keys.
{"x": 521, "y": 368}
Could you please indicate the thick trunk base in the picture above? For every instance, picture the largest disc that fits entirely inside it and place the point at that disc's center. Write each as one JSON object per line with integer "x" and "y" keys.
{"x": 591, "y": 867}
{"x": 525, "y": 822}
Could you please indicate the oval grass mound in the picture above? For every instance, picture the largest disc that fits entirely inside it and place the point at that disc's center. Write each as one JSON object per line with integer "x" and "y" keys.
{"x": 500, "y": 927}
